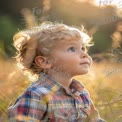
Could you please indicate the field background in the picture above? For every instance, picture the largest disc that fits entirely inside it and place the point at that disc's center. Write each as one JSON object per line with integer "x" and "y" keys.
{"x": 102, "y": 20}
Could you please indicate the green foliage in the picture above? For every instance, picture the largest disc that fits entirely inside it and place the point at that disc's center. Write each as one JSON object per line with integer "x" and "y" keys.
{"x": 102, "y": 42}
{"x": 8, "y": 28}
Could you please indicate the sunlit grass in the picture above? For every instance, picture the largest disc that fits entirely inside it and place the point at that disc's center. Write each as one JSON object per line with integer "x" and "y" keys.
{"x": 104, "y": 83}
{"x": 12, "y": 83}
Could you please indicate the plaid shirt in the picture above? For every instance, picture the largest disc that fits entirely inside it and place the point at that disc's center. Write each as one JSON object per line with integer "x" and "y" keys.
{"x": 48, "y": 101}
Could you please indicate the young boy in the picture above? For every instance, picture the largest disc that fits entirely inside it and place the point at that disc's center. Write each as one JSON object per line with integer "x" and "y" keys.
{"x": 55, "y": 53}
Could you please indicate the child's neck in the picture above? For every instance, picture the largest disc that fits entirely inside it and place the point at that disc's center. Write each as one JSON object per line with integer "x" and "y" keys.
{"x": 62, "y": 78}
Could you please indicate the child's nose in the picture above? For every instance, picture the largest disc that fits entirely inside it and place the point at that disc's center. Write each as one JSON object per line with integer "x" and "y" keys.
{"x": 84, "y": 54}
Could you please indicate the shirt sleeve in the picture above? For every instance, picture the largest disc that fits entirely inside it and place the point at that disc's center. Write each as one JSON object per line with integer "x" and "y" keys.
{"x": 30, "y": 107}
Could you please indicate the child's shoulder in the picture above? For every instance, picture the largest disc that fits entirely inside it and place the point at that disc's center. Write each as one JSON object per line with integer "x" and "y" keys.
{"x": 36, "y": 89}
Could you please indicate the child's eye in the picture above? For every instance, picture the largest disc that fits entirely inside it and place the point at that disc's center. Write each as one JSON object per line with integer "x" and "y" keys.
{"x": 71, "y": 49}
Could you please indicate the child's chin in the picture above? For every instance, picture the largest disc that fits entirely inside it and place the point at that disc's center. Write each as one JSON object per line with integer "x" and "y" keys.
{"x": 81, "y": 73}
{"x": 84, "y": 72}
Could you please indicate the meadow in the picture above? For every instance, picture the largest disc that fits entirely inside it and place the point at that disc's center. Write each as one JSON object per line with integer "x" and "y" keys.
{"x": 104, "y": 83}
{"x": 102, "y": 20}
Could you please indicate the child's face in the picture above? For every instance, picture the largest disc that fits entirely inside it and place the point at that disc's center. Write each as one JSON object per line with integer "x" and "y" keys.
{"x": 70, "y": 58}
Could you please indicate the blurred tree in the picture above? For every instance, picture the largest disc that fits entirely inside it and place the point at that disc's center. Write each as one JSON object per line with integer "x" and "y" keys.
{"x": 7, "y": 30}
{"x": 81, "y": 12}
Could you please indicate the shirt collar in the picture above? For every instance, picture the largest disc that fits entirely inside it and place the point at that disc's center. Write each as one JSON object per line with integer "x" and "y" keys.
{"x": 75, "y": 86}
{"x": 49, "y": 83}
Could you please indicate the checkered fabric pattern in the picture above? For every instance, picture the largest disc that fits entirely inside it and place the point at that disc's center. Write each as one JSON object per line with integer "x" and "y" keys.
{"x": 46, "y": 100}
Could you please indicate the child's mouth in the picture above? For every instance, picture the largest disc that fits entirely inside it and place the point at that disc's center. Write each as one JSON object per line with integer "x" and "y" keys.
{"x": 85, "y": 63}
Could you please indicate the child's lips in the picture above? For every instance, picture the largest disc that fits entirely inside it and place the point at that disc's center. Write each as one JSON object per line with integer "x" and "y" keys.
{"x": 85, "y": 62}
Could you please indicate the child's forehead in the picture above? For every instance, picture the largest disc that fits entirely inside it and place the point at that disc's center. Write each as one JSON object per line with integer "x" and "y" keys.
{"x": 70, "y": 42}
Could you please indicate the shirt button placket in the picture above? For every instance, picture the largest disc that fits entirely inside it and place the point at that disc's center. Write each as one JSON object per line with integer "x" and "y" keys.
{"x": 77, "y": 109}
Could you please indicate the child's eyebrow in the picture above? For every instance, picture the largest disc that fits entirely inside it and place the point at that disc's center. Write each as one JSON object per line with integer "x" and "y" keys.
{"x": 73, "y": 43}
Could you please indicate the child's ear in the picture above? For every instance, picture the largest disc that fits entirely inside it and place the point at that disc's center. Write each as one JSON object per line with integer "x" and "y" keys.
{"x": 43, "y": 62}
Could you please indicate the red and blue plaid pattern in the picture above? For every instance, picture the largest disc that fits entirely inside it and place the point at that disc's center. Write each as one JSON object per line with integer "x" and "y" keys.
{"x": 48, "y": 101}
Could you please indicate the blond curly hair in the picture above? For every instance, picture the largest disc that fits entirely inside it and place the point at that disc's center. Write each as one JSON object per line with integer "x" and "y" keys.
{"x": 40, "y": 40}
